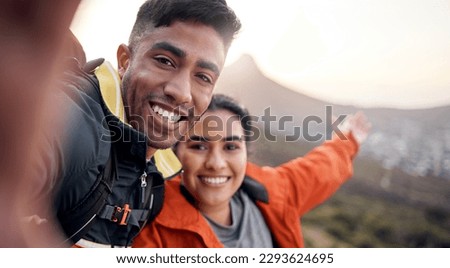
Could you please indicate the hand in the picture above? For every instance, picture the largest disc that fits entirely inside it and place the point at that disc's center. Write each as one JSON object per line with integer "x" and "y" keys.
{"x": 358, "y": 125}
{"x": 31, "y": 42}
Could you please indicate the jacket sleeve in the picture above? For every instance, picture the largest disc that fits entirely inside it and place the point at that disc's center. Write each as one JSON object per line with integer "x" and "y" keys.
{"x": 68, "y": 148}
{"x": 306, "y": 182}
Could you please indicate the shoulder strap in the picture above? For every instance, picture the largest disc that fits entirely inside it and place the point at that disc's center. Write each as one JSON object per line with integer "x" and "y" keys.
{"x": 255, "y": 190}
{"x": 77, "y": 222}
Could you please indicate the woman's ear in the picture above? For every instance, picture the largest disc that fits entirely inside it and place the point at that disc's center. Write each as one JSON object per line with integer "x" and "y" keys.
{"x": 123, "y": 59}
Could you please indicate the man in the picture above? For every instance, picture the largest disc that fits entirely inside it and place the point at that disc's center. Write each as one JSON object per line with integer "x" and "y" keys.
{"x": 176, "y": 52}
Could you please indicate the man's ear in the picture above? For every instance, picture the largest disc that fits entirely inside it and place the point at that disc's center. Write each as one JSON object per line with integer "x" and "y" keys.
{"x": 123, "y": 59}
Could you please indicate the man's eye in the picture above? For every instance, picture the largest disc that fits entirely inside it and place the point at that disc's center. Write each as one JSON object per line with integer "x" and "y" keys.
{"x": 205, "y": 78}
{"x": 165, "y": 61}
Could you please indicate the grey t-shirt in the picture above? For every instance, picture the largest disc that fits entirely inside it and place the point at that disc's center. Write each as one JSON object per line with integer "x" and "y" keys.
{"x": 248, "y": 230}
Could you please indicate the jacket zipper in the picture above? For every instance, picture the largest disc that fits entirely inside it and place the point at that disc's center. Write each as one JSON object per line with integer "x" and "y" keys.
{"x": 143, "y": 186}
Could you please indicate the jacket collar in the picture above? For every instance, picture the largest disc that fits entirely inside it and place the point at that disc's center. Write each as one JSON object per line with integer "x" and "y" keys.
{"x": 179, "y": 214}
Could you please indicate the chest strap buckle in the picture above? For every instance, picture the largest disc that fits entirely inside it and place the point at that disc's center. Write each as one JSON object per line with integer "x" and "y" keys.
{"x": 122, "y": 214}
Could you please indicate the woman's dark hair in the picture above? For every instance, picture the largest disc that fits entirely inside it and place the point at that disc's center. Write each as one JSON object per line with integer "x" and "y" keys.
{"x": 224, "y": 102}
{"x": 214, "y": 13}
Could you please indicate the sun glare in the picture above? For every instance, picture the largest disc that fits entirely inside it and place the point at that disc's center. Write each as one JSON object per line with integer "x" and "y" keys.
{"x": 372, "y": 53}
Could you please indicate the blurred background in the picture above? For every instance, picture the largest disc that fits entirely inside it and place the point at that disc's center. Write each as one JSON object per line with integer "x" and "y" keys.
{"x": 390, "y": 59}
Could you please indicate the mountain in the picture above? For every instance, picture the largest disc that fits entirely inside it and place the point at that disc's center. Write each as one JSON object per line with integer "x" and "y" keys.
{"x": 399, "y": 195}
{"x": 415, "y": 141}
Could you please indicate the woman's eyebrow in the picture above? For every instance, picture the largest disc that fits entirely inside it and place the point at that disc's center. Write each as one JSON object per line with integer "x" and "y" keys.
{"x": 215, "y": 138}
{"x": 233, "y": 138}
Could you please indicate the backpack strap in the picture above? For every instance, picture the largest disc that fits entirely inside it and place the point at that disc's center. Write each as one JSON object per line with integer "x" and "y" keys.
{"x": 77, "y": 221}
{"x": 124, "y": 215}
{"x": 150, "y": 205}
{"x": 255, "y": 190}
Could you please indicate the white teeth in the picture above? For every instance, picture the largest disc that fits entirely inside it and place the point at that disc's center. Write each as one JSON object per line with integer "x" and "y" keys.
{"x": 214, "y": 180}
{"x": 171, "y": 116}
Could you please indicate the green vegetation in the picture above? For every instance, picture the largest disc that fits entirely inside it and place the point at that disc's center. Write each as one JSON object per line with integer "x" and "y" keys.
{"x": 377, "y": 208}
{"x": 352, "y": 220}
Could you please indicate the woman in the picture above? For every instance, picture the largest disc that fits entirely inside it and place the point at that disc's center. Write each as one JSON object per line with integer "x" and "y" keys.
{"x": 221, "y": 200}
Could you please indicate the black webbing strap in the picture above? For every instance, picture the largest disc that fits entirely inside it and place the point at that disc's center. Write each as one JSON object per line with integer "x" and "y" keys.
{"x": 124, "y": 215}
{"x": 76, "y": 222}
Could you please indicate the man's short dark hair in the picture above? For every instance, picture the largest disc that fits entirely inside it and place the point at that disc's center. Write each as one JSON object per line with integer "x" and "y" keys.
{"x": 160, "y": 13}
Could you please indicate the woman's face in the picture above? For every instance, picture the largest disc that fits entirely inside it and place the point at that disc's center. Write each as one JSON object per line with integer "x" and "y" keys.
{"x": 214, "y": 158}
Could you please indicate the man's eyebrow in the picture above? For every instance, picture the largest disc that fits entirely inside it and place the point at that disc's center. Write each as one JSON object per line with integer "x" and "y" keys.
{"x": 181, "y": 53}
{"x": 209, "y": 65}
{"x": 171, "y": 48}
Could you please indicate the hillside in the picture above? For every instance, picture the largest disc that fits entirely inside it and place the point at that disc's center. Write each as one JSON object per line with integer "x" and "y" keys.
{"x": 416, "y": 141}
{"x": 399, "y": 195}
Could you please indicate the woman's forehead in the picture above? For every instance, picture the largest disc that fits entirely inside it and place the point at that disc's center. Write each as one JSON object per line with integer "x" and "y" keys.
{"x": 221, "y": 123}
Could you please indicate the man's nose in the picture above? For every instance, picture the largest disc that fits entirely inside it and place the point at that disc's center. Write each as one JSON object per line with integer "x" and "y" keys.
{"x": 179, "y": 88}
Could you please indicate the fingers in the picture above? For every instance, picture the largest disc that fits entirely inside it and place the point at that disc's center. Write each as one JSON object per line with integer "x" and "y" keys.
{"x": 358, "y": 125}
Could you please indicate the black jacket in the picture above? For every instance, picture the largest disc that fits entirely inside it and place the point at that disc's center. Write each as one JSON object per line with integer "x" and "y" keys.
{"x": 75, "y": 159}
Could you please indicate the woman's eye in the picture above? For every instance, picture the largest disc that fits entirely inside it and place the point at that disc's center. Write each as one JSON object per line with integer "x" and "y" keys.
{"x": 199, "y": 147}
{"x": 231, "y": 147}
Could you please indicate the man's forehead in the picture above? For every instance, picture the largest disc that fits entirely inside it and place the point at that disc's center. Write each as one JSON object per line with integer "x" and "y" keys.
{"x": 188, "y": 35}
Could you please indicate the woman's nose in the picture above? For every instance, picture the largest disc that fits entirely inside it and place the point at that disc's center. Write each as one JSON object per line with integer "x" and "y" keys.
{"x": 215, "y": 161}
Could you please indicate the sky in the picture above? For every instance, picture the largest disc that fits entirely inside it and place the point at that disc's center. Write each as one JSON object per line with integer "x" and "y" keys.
{"x": 368, "y": 53}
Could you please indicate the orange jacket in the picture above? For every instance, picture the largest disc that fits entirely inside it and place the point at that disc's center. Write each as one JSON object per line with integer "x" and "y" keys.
{"x": 293, "y": 189}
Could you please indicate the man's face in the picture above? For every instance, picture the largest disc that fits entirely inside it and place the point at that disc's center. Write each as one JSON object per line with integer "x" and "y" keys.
{"x": 168, "y": 79}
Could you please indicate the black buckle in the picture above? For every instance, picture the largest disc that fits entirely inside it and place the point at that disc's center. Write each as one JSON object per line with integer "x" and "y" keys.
{"x": 121, "y": 213}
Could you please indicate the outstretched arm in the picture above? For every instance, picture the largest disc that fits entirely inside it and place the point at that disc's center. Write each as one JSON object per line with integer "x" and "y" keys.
{"x": 306, "y": 182}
